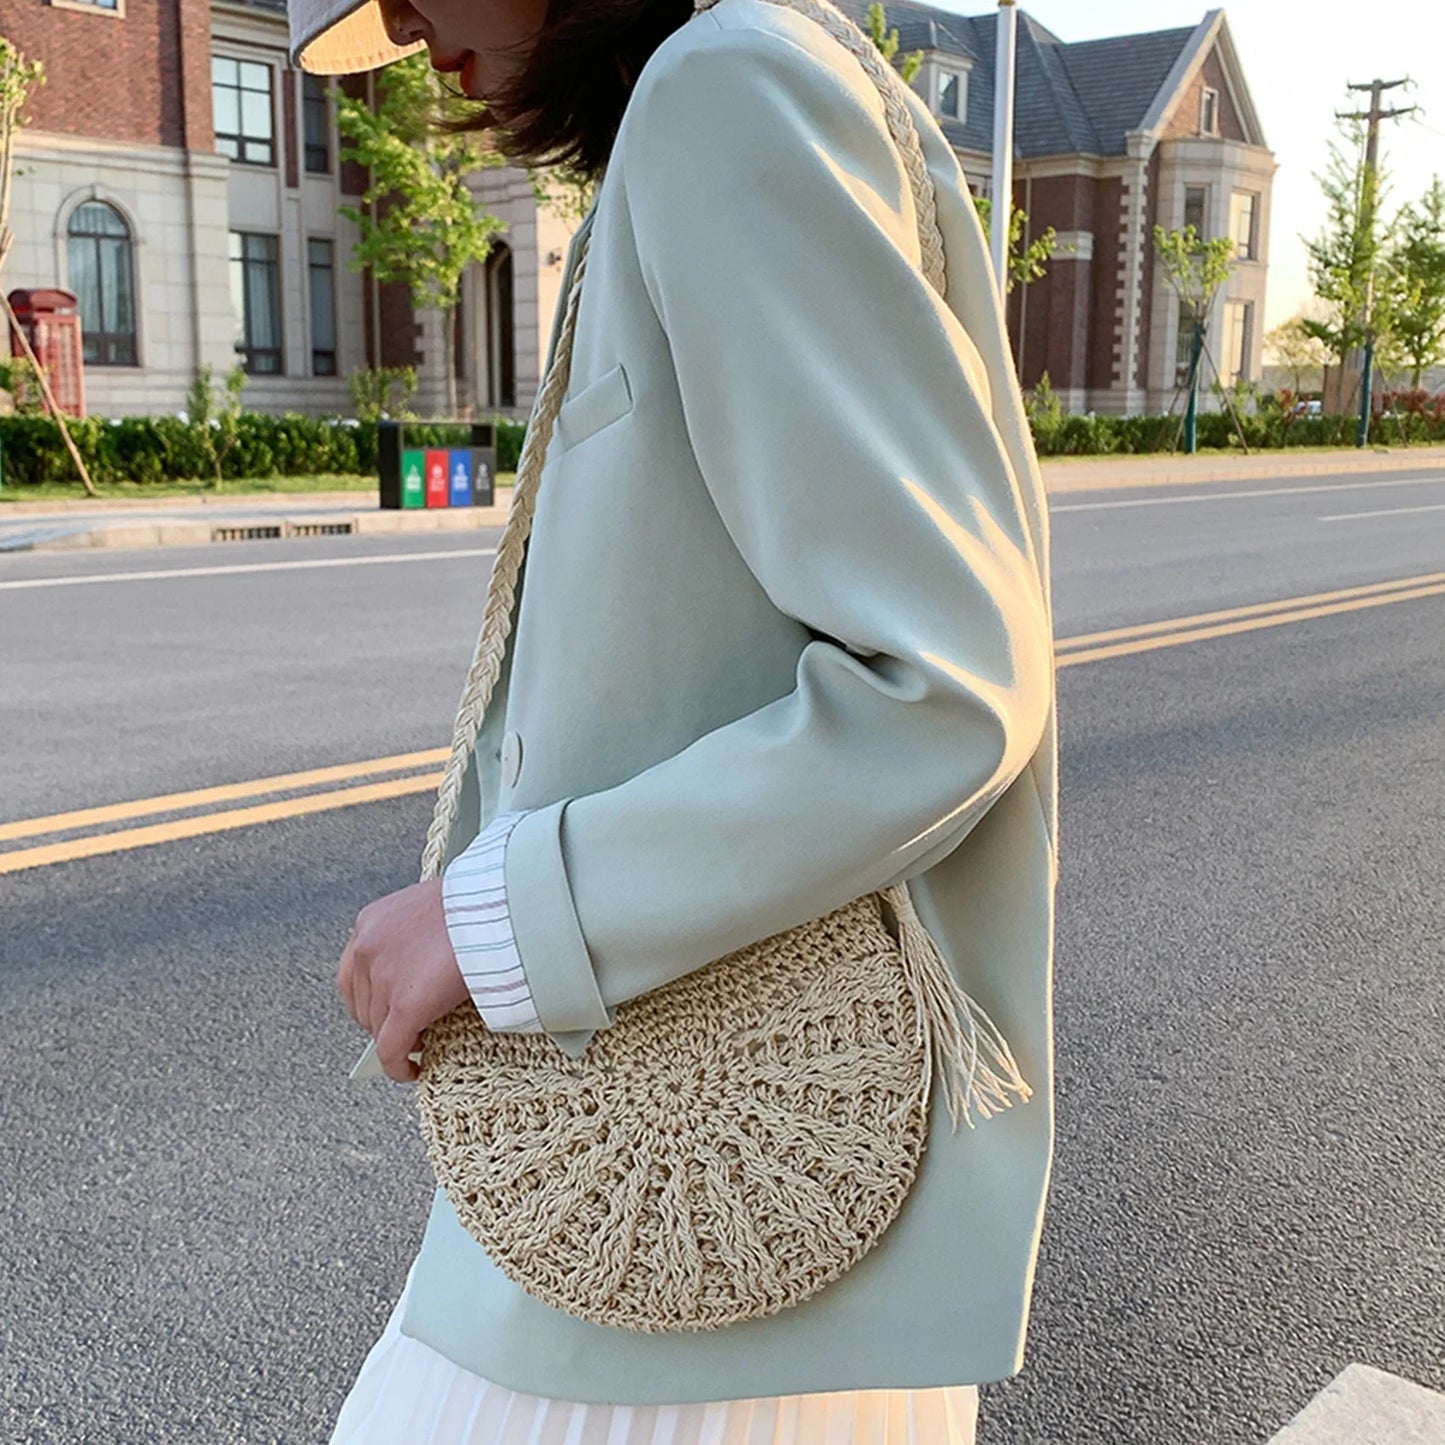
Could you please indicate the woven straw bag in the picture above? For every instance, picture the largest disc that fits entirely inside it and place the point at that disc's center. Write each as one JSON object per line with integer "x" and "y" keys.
{"x": 743, "y": 1135}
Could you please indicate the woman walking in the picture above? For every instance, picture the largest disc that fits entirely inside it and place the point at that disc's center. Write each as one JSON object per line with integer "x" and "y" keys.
{"x": 784, "y": 647}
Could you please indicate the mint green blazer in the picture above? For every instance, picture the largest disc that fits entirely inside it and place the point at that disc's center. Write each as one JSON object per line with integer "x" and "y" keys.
{"x": 783, "y": 637}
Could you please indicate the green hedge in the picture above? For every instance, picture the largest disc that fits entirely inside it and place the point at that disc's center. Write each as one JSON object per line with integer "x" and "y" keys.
{"x": 1092, "y": 436}
{"x": 167, "y": 448}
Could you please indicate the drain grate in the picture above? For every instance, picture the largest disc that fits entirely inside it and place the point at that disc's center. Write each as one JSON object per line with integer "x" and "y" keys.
{"x": 258, "y": 533}
{"x": 320, "y": 529}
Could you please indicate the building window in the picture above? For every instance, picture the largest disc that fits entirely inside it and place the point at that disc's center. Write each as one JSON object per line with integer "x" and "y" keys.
{"x": 321, "y": 281}
{"x": 1244, "y": 224}
{"x": 241, "y": 103}
{"x": 256, "y": 300}
{"x": 1209, "y": 112}
{"x": 501, "y": 333}
{"x": 1196, "y": 207}
{"x": 1238, "y": 321}
{"x": 114, "y": 6}
{"x": 102, "y": 275}
{"x": 316, "y": 122}
{"x": 952, "y": 101}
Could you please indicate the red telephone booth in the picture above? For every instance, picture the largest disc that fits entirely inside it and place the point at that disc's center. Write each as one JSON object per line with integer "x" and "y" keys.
{"x": 51, "y": 320}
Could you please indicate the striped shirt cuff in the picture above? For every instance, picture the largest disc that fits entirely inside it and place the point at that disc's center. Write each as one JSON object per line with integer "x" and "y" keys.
{"x": 474, "y": 899}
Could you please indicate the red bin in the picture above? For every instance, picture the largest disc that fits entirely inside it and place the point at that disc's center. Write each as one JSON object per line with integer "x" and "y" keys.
{"x": 437, "y": 473}
{"x": 51, "y": 321}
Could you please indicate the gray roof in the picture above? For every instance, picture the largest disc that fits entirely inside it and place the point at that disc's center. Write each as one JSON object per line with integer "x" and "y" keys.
{"x": 1117, "y": 79}
{"x": 1072, "y": 99}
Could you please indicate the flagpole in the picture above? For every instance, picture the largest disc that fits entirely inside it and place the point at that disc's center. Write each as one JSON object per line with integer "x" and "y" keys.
{"x": 1003, "y": 138}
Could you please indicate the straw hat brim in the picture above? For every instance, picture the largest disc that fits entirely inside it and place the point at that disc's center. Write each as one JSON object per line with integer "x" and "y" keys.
{"x": 342, "y": 37}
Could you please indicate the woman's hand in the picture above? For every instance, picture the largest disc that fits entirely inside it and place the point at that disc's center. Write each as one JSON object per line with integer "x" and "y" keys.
{"x": 398, "y": 973}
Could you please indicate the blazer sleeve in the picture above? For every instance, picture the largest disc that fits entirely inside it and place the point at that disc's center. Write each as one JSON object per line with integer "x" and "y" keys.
{"x": 840, "y": 418}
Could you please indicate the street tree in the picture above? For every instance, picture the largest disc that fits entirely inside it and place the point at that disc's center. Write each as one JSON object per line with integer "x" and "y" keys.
{"x": 215, "y": 413}
{"x": 18, "y": 77}
{"x": 1194, "y": 269}
{"x": 887, "y": 42}
{"x": 1297, "y": 349}
{"x": 1414, "y": 283}
{"x": 1027, "y": 261}
{"x": 1343, "y": 256}
{"x": 562, "y": 191}
{"x": 418, "y": 220}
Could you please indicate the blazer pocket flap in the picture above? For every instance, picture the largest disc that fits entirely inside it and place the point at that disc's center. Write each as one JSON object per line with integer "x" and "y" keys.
{"x": 597, "y": 405}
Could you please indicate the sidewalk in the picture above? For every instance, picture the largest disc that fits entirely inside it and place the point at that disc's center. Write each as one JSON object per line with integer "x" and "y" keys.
{"x": 225, "y": 502}
{"x": 195, "y": 521}
{"x": 1093, "y": 474}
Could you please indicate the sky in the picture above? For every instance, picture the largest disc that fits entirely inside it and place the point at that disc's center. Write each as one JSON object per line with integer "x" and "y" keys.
{"x": 1297, "y": 61}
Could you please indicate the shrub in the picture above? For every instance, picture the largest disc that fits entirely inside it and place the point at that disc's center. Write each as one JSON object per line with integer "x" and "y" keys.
{"x": 170, "y": 448}
{"x": 378, "y": 391}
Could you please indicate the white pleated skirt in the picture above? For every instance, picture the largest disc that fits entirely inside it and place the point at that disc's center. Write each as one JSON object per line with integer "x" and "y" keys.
{"x": 408, "y": 1394}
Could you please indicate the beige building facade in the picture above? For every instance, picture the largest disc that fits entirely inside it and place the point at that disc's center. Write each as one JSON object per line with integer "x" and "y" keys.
{"x": 190, "y": 194}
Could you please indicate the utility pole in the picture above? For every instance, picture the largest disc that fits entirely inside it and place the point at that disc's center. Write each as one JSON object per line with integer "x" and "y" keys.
{"x": 1369, "y": 198}
{"x": 1003, "y": 140}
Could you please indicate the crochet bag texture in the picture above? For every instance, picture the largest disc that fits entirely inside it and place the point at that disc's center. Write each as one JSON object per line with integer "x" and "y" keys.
{"x": 740, "y": 1137}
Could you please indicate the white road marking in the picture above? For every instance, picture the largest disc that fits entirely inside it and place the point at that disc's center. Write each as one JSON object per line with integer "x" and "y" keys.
{"x": 1383, "y": 512}
{"x": 247, "y": 567}
{"x": 1366, "y": 1406}
{"x": 1240, "y": 496}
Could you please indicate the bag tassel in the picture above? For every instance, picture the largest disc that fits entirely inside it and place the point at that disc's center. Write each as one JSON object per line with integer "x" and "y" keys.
{"x": 960, "y": 1042}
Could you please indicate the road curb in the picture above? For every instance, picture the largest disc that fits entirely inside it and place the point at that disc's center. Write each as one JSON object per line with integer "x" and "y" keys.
{"x": 261, "y": 528}
{"x": 274, "y": 500}
{"x": 292, "y": 518}
{"x": 1103, "y": 474}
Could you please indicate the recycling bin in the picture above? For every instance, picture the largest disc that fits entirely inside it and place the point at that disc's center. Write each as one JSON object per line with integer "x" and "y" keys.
{"x": 51, "y": 323}
{"x": 423, "y": 475}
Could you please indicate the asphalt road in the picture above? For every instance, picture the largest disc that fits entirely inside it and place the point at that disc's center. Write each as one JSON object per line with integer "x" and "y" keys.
{"x": 203, "y": 1224}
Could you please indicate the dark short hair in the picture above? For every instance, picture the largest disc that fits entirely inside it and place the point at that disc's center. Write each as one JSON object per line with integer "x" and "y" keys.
{"x": 564, "y": 107}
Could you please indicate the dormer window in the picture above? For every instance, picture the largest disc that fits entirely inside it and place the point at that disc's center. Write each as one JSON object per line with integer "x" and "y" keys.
{"x": 950, "y": 91}
{"x": 1209, "y": 112}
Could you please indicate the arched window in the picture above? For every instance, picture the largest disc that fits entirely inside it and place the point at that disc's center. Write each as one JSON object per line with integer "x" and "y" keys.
{"x": 98, "y": 257}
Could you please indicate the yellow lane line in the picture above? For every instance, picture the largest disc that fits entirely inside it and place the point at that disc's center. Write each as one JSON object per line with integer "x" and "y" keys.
{"x": 224, "y": 822}
{"x": 1091, "y": 647}
{"x": 1254, "y": 609}
{"x": 225, "y": 793}
{"x": 1276, "y": 619}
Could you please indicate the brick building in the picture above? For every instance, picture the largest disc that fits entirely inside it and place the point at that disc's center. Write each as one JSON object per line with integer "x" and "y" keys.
{"x": 1111, "y": 138}
{"x": 184, "y": 180}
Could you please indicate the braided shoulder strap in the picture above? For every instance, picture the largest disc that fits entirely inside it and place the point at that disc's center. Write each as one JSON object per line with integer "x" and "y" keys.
{"x": 497, "y": 614}
{"x": 960, "y": 1033}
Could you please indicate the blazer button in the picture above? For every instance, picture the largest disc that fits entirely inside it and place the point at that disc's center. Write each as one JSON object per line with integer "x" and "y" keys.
{"x": 511, "y": 758}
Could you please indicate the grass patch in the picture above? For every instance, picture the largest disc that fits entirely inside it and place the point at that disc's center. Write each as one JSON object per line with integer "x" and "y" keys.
{"x": 1215, "y": 453}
